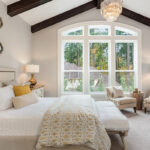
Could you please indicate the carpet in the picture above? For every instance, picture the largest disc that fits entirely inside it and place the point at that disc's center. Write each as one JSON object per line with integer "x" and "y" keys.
{"x": 139, "y": 133}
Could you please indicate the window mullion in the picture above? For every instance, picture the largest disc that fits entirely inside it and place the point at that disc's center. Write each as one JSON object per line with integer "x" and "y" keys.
{"x": 86, "y": 62}
{"x": 113, "y": 58}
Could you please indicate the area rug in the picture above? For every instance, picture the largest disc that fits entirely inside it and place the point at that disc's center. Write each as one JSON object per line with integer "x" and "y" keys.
{"x": 139, "y": 134}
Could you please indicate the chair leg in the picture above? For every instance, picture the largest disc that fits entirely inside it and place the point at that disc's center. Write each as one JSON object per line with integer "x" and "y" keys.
{"x": 145, "y": 110}
{"x": 134, "y": 109}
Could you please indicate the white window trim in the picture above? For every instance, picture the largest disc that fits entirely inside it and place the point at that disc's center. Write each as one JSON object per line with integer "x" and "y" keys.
{"x": 111, "y": 38}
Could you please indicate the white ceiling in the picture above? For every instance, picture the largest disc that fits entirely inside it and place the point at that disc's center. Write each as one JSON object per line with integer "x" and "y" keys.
{"x": 139, "y": 6}
{"x": 56, "y": 7}
{"x": 9, "y": 1}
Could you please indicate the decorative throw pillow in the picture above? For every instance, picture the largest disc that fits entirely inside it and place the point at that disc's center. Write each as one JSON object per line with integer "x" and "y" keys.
{"x": 6, "y": 95}
{"x": 118, "y": 91}
{"x": 21, "y": 90}
{"x": 24, "y": 100}
{"x": 109, "y": 91}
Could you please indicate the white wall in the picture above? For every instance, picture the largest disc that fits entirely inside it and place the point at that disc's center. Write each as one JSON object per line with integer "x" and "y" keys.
{"x": 15, "y": 35}
{"x": 45, "y": 50}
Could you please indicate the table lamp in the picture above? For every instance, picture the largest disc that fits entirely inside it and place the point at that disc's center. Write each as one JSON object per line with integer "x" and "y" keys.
{"x": 32, "y": 69}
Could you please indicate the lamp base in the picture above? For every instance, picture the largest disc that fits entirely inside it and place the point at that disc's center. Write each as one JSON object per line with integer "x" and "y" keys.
{"x": 32, "y": 81}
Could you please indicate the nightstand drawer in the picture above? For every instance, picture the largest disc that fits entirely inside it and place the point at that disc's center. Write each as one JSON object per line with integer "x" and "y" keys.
{"x": 39, "y": 91}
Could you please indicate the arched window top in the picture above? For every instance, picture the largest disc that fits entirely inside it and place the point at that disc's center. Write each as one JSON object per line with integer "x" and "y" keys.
{"x": 99, "y": 28}
{"x": 124, "y": 31}
{"x": 78, "y": 31}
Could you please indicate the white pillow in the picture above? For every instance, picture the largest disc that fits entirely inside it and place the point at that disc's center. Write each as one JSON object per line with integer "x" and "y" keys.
{"x": 24, "y": 100}
{"x": 118, "y": 91}
{"x": 109, "y": 91}
{"x": 6, "y": 95}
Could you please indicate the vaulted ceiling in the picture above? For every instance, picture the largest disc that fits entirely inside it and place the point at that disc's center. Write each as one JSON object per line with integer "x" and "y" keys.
{"x": 46, "y": 9}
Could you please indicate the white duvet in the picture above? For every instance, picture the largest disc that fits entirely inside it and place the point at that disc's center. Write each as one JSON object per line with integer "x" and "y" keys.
{"x": 73, "y": 120}
{"x": 25, "y": 121}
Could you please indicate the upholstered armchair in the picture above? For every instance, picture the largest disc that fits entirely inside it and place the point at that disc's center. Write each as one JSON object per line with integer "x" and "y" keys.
{"x": 146, "y": 104}
{"x": 120, "y": 100}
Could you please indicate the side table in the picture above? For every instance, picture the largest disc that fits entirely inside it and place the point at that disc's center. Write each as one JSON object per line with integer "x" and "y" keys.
{"x": 139, "y": 100}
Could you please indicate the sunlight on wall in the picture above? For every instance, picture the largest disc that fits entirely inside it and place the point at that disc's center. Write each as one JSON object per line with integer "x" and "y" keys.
{"x": 22, "y": 78}
{"x": 146, "y": 78}
{"x": 23, "y": 57}
{"x": 145, "y": 58}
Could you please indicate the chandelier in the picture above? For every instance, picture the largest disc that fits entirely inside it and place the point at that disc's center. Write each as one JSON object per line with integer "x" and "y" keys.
{"x": 111, "y": 9}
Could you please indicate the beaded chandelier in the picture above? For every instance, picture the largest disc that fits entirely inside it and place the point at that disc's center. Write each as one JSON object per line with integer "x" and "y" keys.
{"x": 111, "y": 9}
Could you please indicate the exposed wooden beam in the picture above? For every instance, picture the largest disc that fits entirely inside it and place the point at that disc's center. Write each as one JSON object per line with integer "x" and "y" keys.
{"x": 63, "y": 16}
{"x": 135, "y": 16}
{"x": 99, "y": 3}
{"x": 24, "y": 5}
{"x": 85, "y": 7}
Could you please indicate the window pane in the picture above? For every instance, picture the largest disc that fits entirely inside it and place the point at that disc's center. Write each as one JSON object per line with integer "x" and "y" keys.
{"x": 124, "y": 56}
{"x": 126, "y": 80}
{"x": 99, "y": 30}
{"x": 124, "y": 31}
{"x": 73, "y": 56}
{"x": 74, "y": 32}
{"x": 98, "y": 56}
{"x": 73, "y": 82}
{"x": 98, "y": 81}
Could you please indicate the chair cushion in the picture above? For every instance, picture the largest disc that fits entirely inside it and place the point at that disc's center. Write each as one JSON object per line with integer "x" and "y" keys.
{"x": 147, "y": 100}
{"x": 124, "y": 100}
{"x": 111, "y": 116}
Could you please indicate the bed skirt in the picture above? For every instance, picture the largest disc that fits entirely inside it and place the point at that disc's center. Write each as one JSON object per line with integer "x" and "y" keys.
{"x": 28, "y": 143}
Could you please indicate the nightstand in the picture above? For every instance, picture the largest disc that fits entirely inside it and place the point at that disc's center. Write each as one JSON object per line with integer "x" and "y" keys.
{"x": 38, "y": 90}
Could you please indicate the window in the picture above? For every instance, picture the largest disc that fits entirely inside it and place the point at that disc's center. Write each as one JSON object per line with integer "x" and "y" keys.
{"x": 125, "y": 52}
{"x": 73, "y": 66}
{"x": 95, "y": 55}
{"x": 99, "y": 30}
{"x": 98, "y": 59}
{"x": 74, "y": 32}
{"x": 124, "y": 31}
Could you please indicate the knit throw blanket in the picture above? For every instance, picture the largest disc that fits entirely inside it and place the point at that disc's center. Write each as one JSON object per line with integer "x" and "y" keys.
{"x": 73, "y": 120}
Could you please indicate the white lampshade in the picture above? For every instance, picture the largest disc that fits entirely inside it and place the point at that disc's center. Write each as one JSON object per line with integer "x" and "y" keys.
{"x": 32, "y": 68}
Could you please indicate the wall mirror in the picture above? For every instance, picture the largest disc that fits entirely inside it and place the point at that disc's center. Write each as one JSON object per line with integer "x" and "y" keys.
{"x": 1, "y": 48}
{"x": 1, "y": 22}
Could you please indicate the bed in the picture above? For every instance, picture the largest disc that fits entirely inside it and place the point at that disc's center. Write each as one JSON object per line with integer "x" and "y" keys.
{"x": 20, "y": 129}
{"x": 24, "y": 123}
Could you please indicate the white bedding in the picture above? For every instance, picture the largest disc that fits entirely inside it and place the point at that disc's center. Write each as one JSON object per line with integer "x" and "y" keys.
{"x": 73, "y": 120}
{"x": 25, "y": 121}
